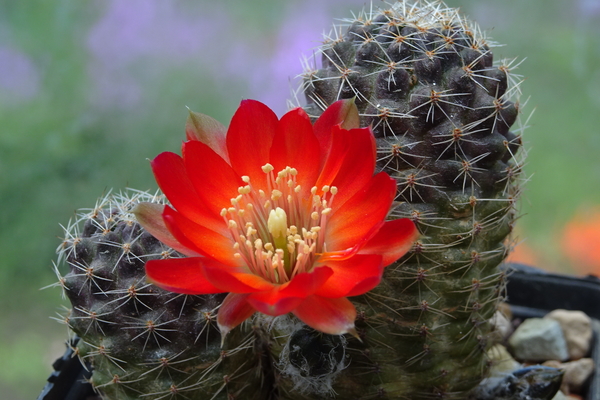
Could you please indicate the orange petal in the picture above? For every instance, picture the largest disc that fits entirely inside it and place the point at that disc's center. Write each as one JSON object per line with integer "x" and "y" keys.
{"x": 234, "y": 279}
{"x": 296, "y": 146}
{"x": 199, "y": 238}
{"x": 350, "y": 163}
{"x": 233, "y": 311}
{"x": 343, "y": 113}
{"x": 213, "y": 178}
{"x": 351, "y": 277}
{"x": 208, "y": 131}
{"x": 357, "y": 217}
{"x": 172, "y": 178}
{"x": 332, "y": 316}
{"x": 180, "y": 275}
{"x": 149, "y": 216}
{"x": 284, "y": 298}
{"x": 249, "y": 140}
{"x": 394, "y": 239}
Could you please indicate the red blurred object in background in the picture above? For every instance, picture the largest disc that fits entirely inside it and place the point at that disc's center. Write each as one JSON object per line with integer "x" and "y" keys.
{"x": 581, "y": 241}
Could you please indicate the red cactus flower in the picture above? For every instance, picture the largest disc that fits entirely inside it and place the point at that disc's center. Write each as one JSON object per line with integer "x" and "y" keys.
{"x": 283, "y": 215}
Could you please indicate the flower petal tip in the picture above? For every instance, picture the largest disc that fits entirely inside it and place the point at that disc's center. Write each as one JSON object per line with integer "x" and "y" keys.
{"x": 352, "y": 331}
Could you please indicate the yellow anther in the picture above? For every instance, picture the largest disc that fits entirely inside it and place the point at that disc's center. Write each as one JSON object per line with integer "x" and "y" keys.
{"x": 293, "y": 171}
{"x": 325, "y": 188}
{"x": 231, "y": 210}
{"x": 237, "y": 255}
{"x": 236, "y": 245}
{"x": 258, "y": 244}
{"x": 276, "y": 195}
{"x": 297, "y": 189}
{"x": 326, "y": 211}
{"x": 261, "y": 193}
{"x": 267, "y": 168}
{"x": 314, "y": 216}
{"x": 232, "y": 224}
{"x": 290, "y": 183}
{"x": 267, "y": 204}
{"x": 293, "y": 230}
{"x": 223, "y": 212}
{"x": 334, "y": 190}
{"x": 244, "y": 189}
{"x": 314, "y": 190}
{"x": 241, "y": 213}
{"x": 291, "y": 248}
{"x": 315, "y": 229}
{"x": 246, "y": 178}
{"x": 269, "y": 246}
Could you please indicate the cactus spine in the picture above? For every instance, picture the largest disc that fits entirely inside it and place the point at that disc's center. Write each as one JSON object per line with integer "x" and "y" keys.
{"x": 441, "y": 109}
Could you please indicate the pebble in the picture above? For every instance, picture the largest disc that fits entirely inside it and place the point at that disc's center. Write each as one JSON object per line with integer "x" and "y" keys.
{"x": 577, "y": 329}
{"x": 539, "y": 339}
{"x": 576, "y": 373}
{"x": 501, "y": 326}
{"x": 501, "y": 360}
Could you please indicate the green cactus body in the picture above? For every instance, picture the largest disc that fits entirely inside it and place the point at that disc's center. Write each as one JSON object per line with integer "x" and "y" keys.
{"x": 424, "y": 79}
{"x": 142, "y": 341}
{"x": 441, "y": 110}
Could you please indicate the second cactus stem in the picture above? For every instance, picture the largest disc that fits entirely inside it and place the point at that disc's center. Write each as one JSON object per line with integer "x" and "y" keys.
{"x": 424, "y": 78}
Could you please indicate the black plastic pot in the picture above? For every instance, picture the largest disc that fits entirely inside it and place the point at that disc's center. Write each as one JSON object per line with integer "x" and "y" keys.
{"x": 534, "y": 293}
{"x": 531, "y": 293}
{"x": 69, "y": 379}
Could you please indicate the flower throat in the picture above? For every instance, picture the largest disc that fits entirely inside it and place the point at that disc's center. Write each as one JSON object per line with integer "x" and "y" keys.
{"x": 276, "y": 232}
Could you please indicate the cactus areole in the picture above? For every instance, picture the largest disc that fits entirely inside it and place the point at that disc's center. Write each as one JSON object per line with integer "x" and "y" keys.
{"x": 283, "y": 215}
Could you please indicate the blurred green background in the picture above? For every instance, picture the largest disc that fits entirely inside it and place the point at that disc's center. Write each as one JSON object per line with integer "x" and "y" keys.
{"x": 89, "y": 90}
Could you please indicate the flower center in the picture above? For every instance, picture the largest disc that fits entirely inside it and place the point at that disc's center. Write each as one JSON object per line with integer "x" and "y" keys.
{"x": 277, "y": 232}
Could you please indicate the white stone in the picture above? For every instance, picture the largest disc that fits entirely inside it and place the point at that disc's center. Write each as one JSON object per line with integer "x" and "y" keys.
{"x": 501, "y": 326}
{"x": 539, "y": 339}
{"x": 501, "y": 360}
{"x": 577, "y": 328}
{"x": 560, "y": 396}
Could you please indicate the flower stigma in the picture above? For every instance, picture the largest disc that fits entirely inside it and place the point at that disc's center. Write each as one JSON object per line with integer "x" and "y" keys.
{"x": 279, "y": 233}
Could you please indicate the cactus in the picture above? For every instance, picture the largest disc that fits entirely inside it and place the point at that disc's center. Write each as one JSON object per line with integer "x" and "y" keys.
{"x": 142, "y": 341}
{"x": 423, "y": 77}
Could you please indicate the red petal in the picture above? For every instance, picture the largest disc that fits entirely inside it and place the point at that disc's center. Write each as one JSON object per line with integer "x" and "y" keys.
{"x": 234, "y": 279}
{"x": 357, "y": 217}
{"x": 180, "y": 275}
{"x": 270, "y": 304}
{"x": 332, "y": 316}
{"x": 172, "y": 178}
{"x": 249, "y": 140}
{"x": 351, "y": 277}
{"x": 149, "y": 215}
{"x": 296, "y": 146}
{"x": 214, "y": 180}
{"x": 342, "y": 112}
{"x": 283, "y": 299}
{"x": 208, "y": 131}
{"x": 199, "y": 238}
{"x": 394, "y": 239}
{"x": 233, "y": 311}
{"x": 350, "y": 163}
